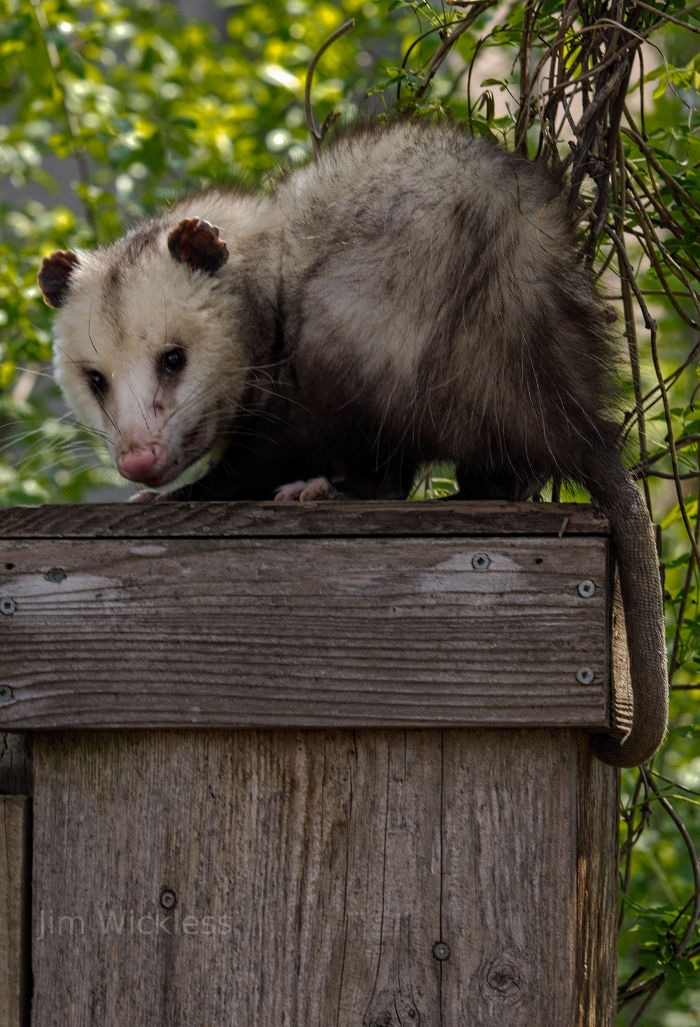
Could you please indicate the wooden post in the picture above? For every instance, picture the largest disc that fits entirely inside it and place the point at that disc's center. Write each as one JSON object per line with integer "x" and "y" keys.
{"x": 392, "y": 815}
{"x": 15, "y": 856}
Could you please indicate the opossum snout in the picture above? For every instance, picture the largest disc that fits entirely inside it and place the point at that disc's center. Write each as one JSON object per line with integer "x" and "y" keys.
{"x": 144, "y": 464}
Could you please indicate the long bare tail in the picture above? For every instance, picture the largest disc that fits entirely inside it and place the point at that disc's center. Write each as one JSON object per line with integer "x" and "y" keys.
{"x": 617, "y": 496}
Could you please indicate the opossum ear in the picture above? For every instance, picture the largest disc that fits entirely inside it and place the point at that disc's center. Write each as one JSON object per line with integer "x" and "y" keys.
{"x": 54, "y": 275}
{"x": 197, "y": 243}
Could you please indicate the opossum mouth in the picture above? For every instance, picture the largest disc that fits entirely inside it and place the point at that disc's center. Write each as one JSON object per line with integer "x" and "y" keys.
{"x": 200, "y": 453}
{"x": 196, "y": 440}
{"x": 197, "y": 452}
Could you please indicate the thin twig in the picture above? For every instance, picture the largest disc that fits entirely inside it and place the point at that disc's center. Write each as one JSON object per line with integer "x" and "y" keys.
{"x": 314, "y": 131}
{"x": 679, "y": 193}
{"x": 685, "y": 595}
{"x": 679, "y": 946}
{"x": 665, "y": 17}
{"x": 631, "y": 334}
{"x": 651, "y": 326}
{"x": 451, "y": 37}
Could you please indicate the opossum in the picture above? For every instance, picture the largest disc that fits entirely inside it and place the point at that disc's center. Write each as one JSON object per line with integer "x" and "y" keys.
{"x": 413, "y": 295}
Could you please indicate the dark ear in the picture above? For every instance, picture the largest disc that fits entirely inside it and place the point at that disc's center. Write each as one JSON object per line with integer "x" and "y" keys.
{"x": 54, "y": 275}
{"x": 196, "y": 243}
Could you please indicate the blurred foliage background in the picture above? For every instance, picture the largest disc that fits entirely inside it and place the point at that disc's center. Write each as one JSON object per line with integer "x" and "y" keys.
{"x": 110, "y": 110}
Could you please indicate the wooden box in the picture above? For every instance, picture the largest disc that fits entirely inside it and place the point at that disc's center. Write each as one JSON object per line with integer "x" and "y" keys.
{"x": 308, "y": 764}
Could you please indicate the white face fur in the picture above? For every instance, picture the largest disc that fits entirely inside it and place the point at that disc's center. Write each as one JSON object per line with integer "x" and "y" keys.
{"x": 144, "y": 356}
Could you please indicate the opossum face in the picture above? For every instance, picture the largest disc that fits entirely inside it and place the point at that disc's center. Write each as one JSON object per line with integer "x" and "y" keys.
{"x": 142, "y": 352}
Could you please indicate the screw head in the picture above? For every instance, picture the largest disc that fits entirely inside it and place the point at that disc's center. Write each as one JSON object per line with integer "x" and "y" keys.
{"x": 584, "y": 675}
{"x": 7, "y": 606}
{"x": 6, "y": 695}
{"x": 441, "y": 950}
{"x": 168, "y": 899}
{"x": 480, "y": 561}
{"x": 586, "y": 588}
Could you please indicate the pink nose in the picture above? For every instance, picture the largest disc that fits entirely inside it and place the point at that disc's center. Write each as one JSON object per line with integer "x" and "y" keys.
{"x": 142, "y": 465}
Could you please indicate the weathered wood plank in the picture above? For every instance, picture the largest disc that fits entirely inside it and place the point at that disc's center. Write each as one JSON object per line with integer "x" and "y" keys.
{"x": 598, "y": 801}
{"x": 15, "y": 762}
{"x": 313, "y": 874}
{"x": 301, "y": 632}
{"x": 16, "y": 781}
{"x": 15, "y": 813}
{"x": 543, "y": 949}
{"x": 224, "y": 520}
{"x": 508, "y": 809}
{"x": 293, "y": 859}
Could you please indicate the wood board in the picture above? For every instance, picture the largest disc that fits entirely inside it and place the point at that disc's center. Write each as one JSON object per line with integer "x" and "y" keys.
{"x": 297, "y": 631}
{"x": 375, "y": 877}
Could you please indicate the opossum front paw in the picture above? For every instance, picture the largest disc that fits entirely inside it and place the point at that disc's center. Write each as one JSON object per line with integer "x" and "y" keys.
{"x": 306, "y": 491}
{"x": 147, "y": 497}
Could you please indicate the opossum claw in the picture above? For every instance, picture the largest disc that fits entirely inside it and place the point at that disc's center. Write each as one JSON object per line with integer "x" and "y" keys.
{"x": 147, "y": 496}
{"x": 306, "y": 491}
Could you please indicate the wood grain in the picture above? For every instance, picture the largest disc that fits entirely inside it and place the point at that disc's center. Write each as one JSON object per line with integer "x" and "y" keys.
{"x": 303, "y": 632}
{"x": 225, "y": 520}
{"x": 15, "y": 763}
{"x": 15, "y": 815}
{"x": 598, "y": 801}
{"x": 313, "y": 874}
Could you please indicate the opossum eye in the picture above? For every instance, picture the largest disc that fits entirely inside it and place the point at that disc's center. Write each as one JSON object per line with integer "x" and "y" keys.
{"x": 97, "y": 383}
{"x": 173, "y": 361}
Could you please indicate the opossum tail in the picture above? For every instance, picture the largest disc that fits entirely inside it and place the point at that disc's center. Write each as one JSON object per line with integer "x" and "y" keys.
{"x": 615, "y": 493}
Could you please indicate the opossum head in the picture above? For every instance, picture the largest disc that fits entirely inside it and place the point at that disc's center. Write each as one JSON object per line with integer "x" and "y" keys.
{"x": 143, "y": 351}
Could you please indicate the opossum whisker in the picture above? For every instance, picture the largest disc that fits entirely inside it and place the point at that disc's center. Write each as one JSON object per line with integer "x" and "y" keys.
{"x": 282, "y": 362}
{"x": 166, "y": 334}
{"x": 192, "y": 399}
{"x": 66, "y": 418}
{"x": 100, "y": 402}
{"x": 139, "y": 404}
{"x": 103, "y": 436}
{"x": 33, "y": 437}
{"x": 109, "y": 417}
{"x": 34, "y": 449}
{"x": 264, "y": 416}
{"x": 274, "y": 392}
{"x": 89, "y": 329}
{"x": 35, "y": 371}
{"x": 247, "y": 433}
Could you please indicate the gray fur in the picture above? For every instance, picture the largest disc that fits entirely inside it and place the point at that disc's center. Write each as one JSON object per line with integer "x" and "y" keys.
{"x": 413, "y": 296}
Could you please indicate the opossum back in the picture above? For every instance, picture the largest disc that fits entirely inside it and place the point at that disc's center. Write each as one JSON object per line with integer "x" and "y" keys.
{"x": 433, "y": 279}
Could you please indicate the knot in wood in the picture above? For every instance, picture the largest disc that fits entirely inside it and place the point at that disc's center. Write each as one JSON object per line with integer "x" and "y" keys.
{"x": 56, "y": 575}
{"x": 502, "y": 980}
